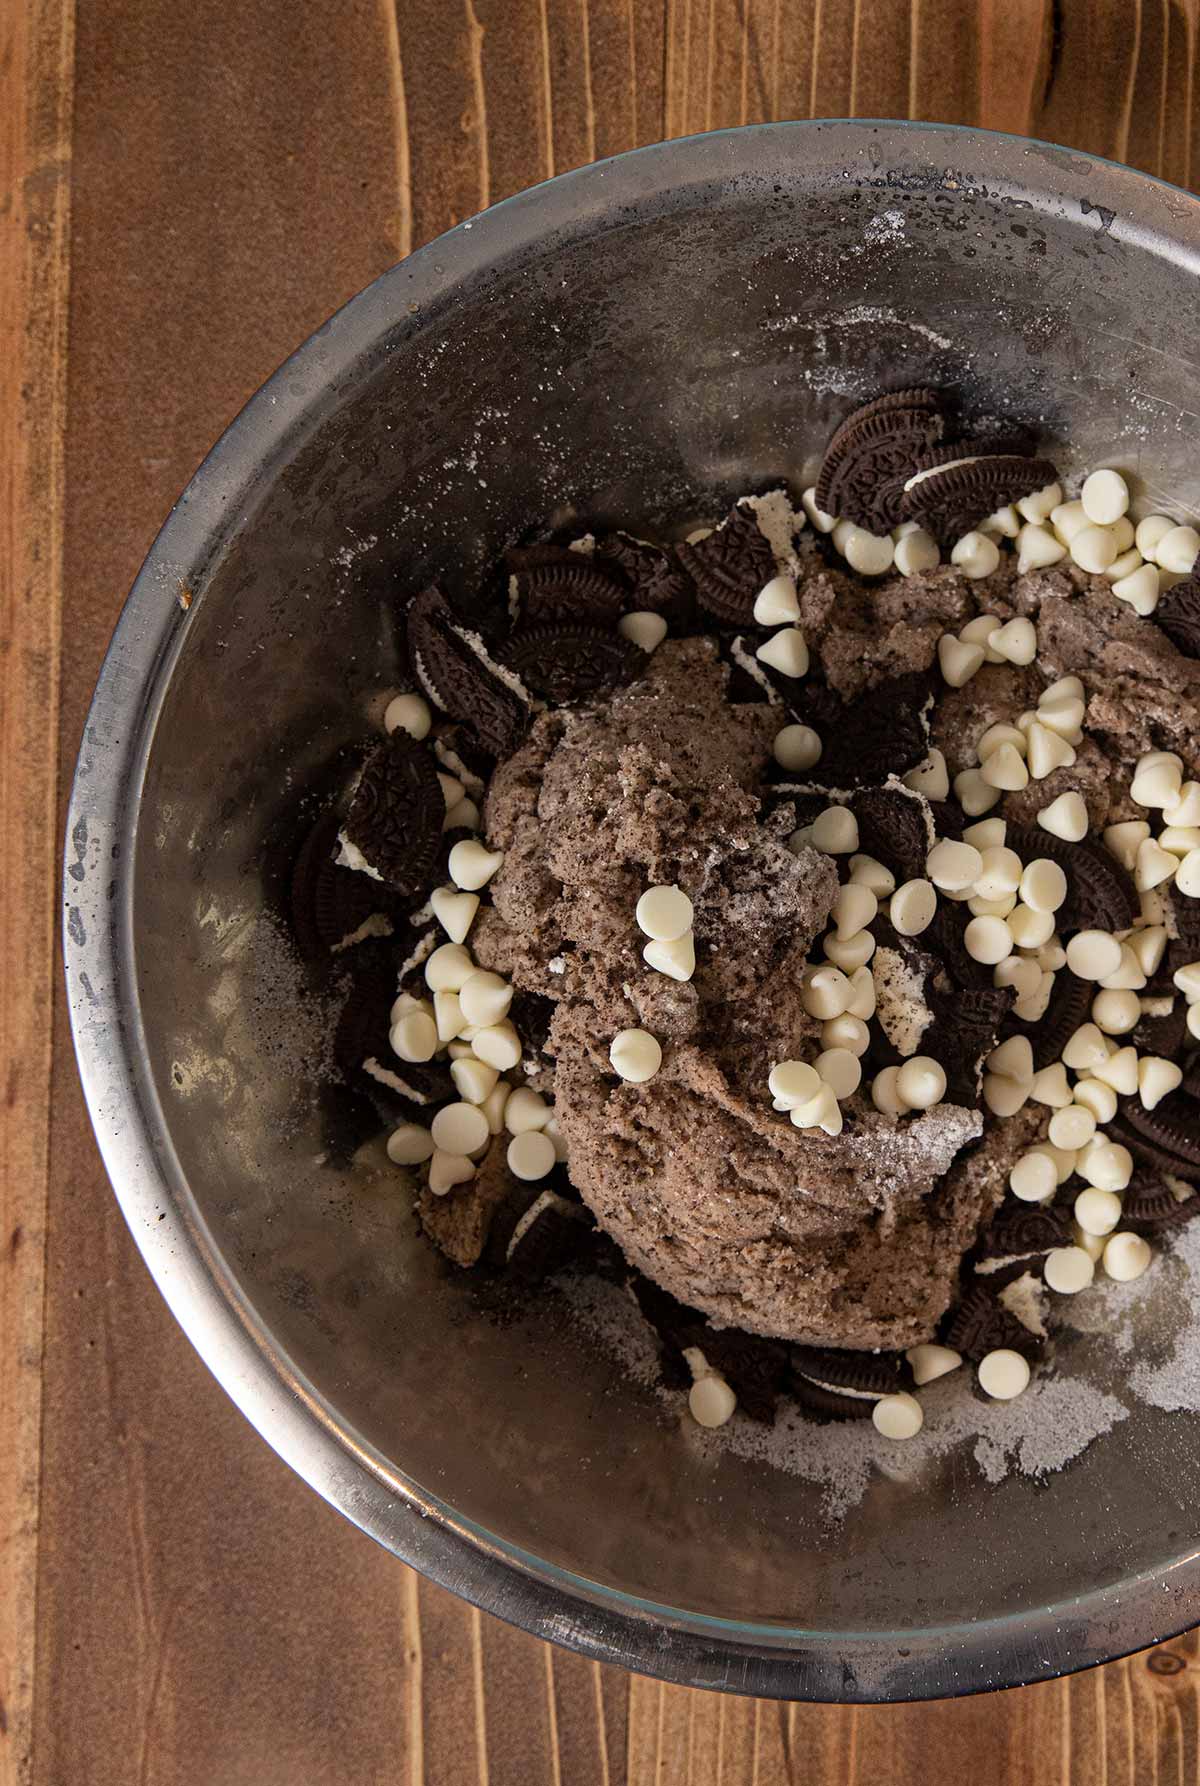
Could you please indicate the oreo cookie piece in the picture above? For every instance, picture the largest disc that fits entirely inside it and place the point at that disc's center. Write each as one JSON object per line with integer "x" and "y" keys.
{"x": 845, "y": 1385}
{"x": 958, "y": 492}
{"x": 966, "y": 1025}
{"x": 729, "y": 567}
{"x": 331, "y": 907}
{"x": 1069, "y": 1006}
{"x": 569, "y": 587}
{"x": 755, "y": 1368}
{"x": 884, "y": 732}
{"x": 981, "y": 1324}
{"x": 1150, "y": 1207}
{"x": 572, "y": 662}
{"x": 1164, "y": 1036}
{"x": 456, "y": 679}
{"x": 875, "y": 449}
{"x": 396, "y": 812}
{"x": 657, "y": 582}
{"x": 1100, "y": 893}
{"x": 1178, "y": 615}
{"x": 892, "y": 827}
{"x": 1168, "y": 1136}
{"x": 549, "y": 1235}
{"x": 1017, "y": 1235}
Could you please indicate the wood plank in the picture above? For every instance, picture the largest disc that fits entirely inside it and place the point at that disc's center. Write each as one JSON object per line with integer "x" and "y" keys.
{"x": 180, "y": 1638}
{"x": 36, "y": 62}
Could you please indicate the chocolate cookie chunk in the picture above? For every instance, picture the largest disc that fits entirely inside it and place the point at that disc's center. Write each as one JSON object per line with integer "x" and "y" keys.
{"x": 1021, "y": 1231}
{"x": 656, "y": 581}
{"x": 1150, "y": 1207}
{"x": 1178, "y": 615}
{"x": 884, "y": 732}
{"x": 966, "y": 1026}
{"x": 327, "y": 904}
{"x": 755, "y": 1368}
{"x": 730, "y": 567}
{"x": 550, "y": 1234}
{"x": 952, "y": 498}
{"x": 572, "y": 662}
{"x": 1164, "y": 1036}
{"x": 873, "y": 451}
{"x": 395, "y": 816}
{"x": 569, "y": 588}
{"x": 1100, "y": 893}
{"x": 981, "y": 1323}
{"x": 892, "y": 827}
{"x": 1169, "y": 1135}
{"x": 1069, "y": 1006}
{"x": 845, "y": 1385}
{"x": 455, "y": 678}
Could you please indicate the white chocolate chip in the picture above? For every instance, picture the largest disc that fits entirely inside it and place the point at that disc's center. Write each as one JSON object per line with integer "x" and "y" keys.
{"x": 495, "y": 1105}
{"x": 988, "y": 834}
{"x": 1064, "y": 716}
{"x": 973, "y": 793}
{"x": 676, "y": 959}
{"x": 1097, "y": 1211}
{"x": 1067, "y": 518}
{"x": 1029, "y": 928}
{"x": 916, "y": 552}
{"x": 414, "y": 1038}
{"x": 953, "y": 866}
{"x": 884, "y": 1092}
{"x": 644, "y": 629}
{"x": 1154, "y": 866}
{"x": 835, "y": 830}
{"x": 979, "y": 632}
{"x": 1148, "y": 947}
{"x": 1004, "y": 1097}
{"x": 979, "y": 907}
{"x": 997, "y": 735}
{"x": 1041, "y": 504}
{"x": 821, "y": 521}
{"x": 1140, "y": 588}
{"x": 840, "y": 1070}
{"x": 862, "y": 994}
{"x": 854, "y": 953}
{"x": 530, "y": 1156}
{"x": 785, "y": 651}
{"x": 1129, "y": 976}
{"x": 1047, "y": 751}
{"x": 1116, "y": 1012}
{"x": 822, "y": 1112}
{"x": 1105, "y": 497}
{"x": 1097, "y": 1097}
{"x": 1157, "y": 779}
{"x": 1005, "y": 768}
{"x": 711, "y": 1401}
{"x": 825, "y": 992}
{"x": 485, "y": 999}
{"x": 1013, "y": 1060}
{"x": 1126, "y": 1256}
{"x": 452, "y": 788}
{"x": 928, "y": 1362}
{"x": 1180, "y": 840}
{"x": 854, "y": 907}
{"x": 1037, "y": 548}
{"x": 499, "y": 1045}
{"x": 865, "y": 871}
{"x": 931, "y": 778}
{"x": 848, "y": 1032}
{"x": 1018, "y": 972}
{"x": 1150, "y": 529}
{"x": 1187, "y": 980}
{"x": 1016, "y": 641}
{"x": 1093, "y": 954}
{"x": 868, "y": 553}
{"x": 1086, "y": 1049}
{"x": 1002, "y": 1374}
{"x": 1000, "y": 872}
{"x": 664, "y": 913}
{"x": 1157, "y": 1079}
{"x": 459, "y": 1129}
{"x": 448, "y": 1015}
{"x": 1125, "y": 565}
{"x": 1066, "y": 817}
{"x": 1072, "y": 1127}
{"x": 1119, "y": 1071}
{"x": 472, "y": 865}
{"x": 975, "y": 555}
{"x": 776, "y": 603}
{"x": 1003, "y": 523}
{"x": 448, "y": 1169}
{"x": 1187, "y": 875}
{"x": 988, "y": 940}
{"x": 1177, "y": 550}
{"x": 898, "y": 1416}
{"x": 1043, "y": 885}
{"x": 411, "y": 714}
{"x": 1105, "y": 1165}
{"x": 1122, "y": 841}
{"x": 635, "y": 1055}
{"x": 448, "y": 968}
{"x": 1185, "y": 810}
{"x": 959, "y": 661}
{"x": 1093, "y": 549}
{"x": 913, "y": 907}
{"x": 454, "y": 911}
{"x": 921, "y": 1082}
{"x": 1050, "y": 1086}
{"x": 793, "y": 1083}
{"x": 1092, "y": 1244}
{"x": 474, "y": 1081}
{"x": 409, "y": 1145}
{"x": 1068, "y": 1269}
{"x": 1034, "y": 1177}
{"x": 1032, "y": 1008}
{"x": 1193, "y": 1022}
{"x": 463, "y": 816}
{"x": 796, "y": 748}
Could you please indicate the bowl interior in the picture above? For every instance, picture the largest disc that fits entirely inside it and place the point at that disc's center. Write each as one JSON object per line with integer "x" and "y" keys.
{"x": 639, "y": 351}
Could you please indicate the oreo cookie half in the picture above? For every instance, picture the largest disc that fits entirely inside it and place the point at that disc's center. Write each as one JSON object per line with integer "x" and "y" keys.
{"x": 1178, "y": 615}
{"x": 456, "y": 680}
{"x": 876, "y": 447}
{"x": 952, "y": 497}
{"x": 657, "y": 582}
{"x": 980, "y": 1324}
{"x": 1070, "y": 1003}
{"x": 1100, "y": 893}
{"x": 1168, "y": 1135}
{"x": 568, "y": 588}
{"x": 1150, "y": 1207}
{"x": 845, "y": 1385}
{"x": 884, "y": 732}
{"x": 729, "y": 567}
{"x": 331, "y": 906}
{"x": 572, "y": 662}
{"x": 966, "y": 1024}
{"x": 892, "y": 827}
{"x": 396, "y": 812}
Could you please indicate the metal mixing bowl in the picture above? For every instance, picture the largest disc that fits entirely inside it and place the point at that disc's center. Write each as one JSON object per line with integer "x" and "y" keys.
{"x": 627, "y": 341}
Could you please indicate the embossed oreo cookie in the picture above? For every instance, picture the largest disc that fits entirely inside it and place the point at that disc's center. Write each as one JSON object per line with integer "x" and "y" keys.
{"x": 1150, "y": 1206}
{"x": 966, "y": 1024}
{"x": 1020, "y": 1232}
{"x": 845, "y": 1385}
{"x": 1100, "y": 893}
{"x": 872, "y": 452}
{"x": 730, "y": 567}
{"x": 656, "y": 581}
{"x": 884, "y": 732}
{"x": 1168, "y": 1135}
{"x": 568, "y": 587}
{"x": 395, "y": 816}
{"x": 957, "y": 489}
{"x": 1178, "y": 615}
{"x": 981, "y": 1323}
{"x": 455, "y": 678}
{"x": 1070, "y": 1003}
{"x": 892, "y": 827}
{"x": 572, "y": 662}
{"x": 329, "y": 905}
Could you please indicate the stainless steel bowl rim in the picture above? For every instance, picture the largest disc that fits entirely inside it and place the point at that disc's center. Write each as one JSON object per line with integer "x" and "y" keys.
{"x": 131, "y": 1127}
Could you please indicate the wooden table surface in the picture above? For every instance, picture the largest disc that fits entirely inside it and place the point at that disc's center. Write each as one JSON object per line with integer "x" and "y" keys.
{"x": 189, "y": 187}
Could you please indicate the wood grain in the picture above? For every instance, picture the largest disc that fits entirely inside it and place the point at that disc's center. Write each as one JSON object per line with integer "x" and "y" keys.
{"x": 235, "y": 174}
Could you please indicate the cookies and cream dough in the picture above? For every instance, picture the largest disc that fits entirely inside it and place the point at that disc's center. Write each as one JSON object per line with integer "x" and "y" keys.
{"x": 802, "y": 920}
